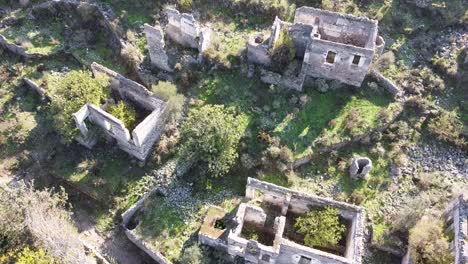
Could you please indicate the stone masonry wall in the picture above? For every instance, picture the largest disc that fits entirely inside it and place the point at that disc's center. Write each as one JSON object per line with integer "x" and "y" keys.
{"x": 156, "y": 44}
{"x": 342, "y": 68}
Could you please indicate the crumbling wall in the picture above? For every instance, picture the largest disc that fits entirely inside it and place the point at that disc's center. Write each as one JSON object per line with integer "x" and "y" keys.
{"x": 182, "y": 28}
{"x": 156, "y": 44}
{"x": 341, "y": 28}
{"x": 143, "y": 136}
{"x": 291, "y": 252}
{"x": 16, "y": 49}
{"x": 257, "y": 50}
{"x": 456, "y": 216}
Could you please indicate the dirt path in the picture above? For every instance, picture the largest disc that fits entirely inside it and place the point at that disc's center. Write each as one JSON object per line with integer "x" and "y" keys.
{"x": 116, "y": 247}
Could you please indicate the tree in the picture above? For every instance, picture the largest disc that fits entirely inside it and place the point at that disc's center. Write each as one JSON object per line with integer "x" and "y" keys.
{"x": 37, "y": 219}
{"x": 175, "y": 101}
{"x": 211, "y": 135}
{"x": 125, "y": 113}
{"x": 321, "y": 227}
{"x": 427, "y": 242}
{"x": 283, "y": 51}
{"x": 192, "y": 255}
{"x": 69, "y": 94}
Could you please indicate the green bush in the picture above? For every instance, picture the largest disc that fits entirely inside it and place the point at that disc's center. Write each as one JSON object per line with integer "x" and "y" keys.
{"x": 28, "y": 256}
{"x": 125, "y": 113}
{"x": 446, "y": 126}
{"x": 283, "y": 51}
{"x": 185, "y": 5}
{"x": 428, "y": 244}
{"x": 69, "y": 94}
{"x": 321, "y": 227}
{"x": 175, "y": 101}
{"x": 192, "y": 255}
{"x": 211, "y": 135}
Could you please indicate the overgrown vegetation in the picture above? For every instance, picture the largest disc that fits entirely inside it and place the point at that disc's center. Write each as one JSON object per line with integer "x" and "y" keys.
{"x": 45, "y": 226}
{"x": 283, "y": 51}
{"x": 70, "y": 93}
{"x": 125, "y": 113}
{"x": 211, "y": 136}
{"x": 320, "y": 227}
{"x": 175, "y": 101}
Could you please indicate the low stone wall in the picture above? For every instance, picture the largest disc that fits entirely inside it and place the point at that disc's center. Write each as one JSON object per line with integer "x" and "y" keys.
{"x": 18, "y": 50}
{"x": 385, "y": 82}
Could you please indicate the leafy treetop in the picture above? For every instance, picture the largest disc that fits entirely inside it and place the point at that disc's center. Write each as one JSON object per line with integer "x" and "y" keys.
{"x": 321, "y": 227}
{"x": 69, "y": 94}
{"x": 211, "y": 135}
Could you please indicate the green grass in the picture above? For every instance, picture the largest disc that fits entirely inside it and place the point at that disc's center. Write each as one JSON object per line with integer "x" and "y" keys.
{"x": 103, "y": 175}
{"x": 44, "y": 38}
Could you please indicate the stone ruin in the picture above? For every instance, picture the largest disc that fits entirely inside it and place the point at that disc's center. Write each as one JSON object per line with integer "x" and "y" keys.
{"x": 330, "y": 45}
{"x": 456, "y": 219}
{"x": 274, "y": 220}
{"x": 183, "y": 29}
{"x": 360, "y": 168}
{"x": 139, "y": 143}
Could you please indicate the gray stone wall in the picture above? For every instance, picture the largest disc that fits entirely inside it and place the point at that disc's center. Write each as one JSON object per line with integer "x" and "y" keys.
{"x": 182, "y": 28}
{"x": 143, "y": 136}
{"x": 156, "y": 44}
{"x": 342, "y": 68}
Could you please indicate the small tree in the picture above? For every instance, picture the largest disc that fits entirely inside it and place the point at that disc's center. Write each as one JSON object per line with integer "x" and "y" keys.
{"x": 124, "y": 112}
{"x": 175, "y": 101}
{"x": 211, "y": 135}
{"x": 428, "y": 244}
{"x": 69, "y": 94}
{"x": 185, "y": 5}
{"x": 321, "y": 227}
{"x": 283, "y": 51}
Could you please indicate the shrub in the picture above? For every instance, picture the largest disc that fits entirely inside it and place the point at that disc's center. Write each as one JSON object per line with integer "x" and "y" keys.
{"x": 125, "y": 113}
{"x": 69, "y": 94}
{"x": 283, "y": 51}
{"x": 28, "y": 256}
{"x": 192, "y": 255}
{"x": 321, "y": 85}
{"x": 446, "y": 126}
{"x": 185, "y": 5}
{"x": 46, "y": 224}
{"x": 428, "y": 244}
{"x": 175, "y": 101}
{"x": 211, "y": 135}
{"x": 386, "y": 60}
{"x": 321, "y": 227}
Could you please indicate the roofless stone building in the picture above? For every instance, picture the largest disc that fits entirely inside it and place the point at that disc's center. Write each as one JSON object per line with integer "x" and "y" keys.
{"x": 329, "y": 45}
{"x": 271, "y": 212}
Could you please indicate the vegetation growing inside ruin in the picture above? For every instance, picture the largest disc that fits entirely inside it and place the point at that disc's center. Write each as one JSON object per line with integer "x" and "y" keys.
{"x": 321, "y": 228}
{"x": 283, "y": 51}
{"x": 422, "y": 56}
{"x": 125, "y": 113}
{"x": 70, "y": 93}
{"x": 428, "y": 243}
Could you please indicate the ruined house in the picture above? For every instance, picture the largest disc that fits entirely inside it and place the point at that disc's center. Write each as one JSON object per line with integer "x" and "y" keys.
{"x": 271, "y": 212}
{"x": 140, "y": 141}
{"x": 181, "y": 28}
{"x": 329, "y": 45}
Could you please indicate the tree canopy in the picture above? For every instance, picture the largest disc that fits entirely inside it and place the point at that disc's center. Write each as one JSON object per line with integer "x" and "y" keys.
{"x": 211, "y": 136}
{"x": 68, "y": 94}
{"x": 321, "y": 227}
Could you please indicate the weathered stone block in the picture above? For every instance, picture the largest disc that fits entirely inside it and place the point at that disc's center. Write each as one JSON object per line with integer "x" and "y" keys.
{"x": 156, "y": 44}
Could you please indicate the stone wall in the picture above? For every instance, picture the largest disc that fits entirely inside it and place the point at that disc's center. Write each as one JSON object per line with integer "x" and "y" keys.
{"x": 182, "y": 28}
{"x": 341, "y": 67}
{"x": 456, "y": 216}
{"x": 156, "y": 44}
{"x": 143, "y": 136}
{"x": 16, "y": 49}
{"x": 283, "y": 250}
